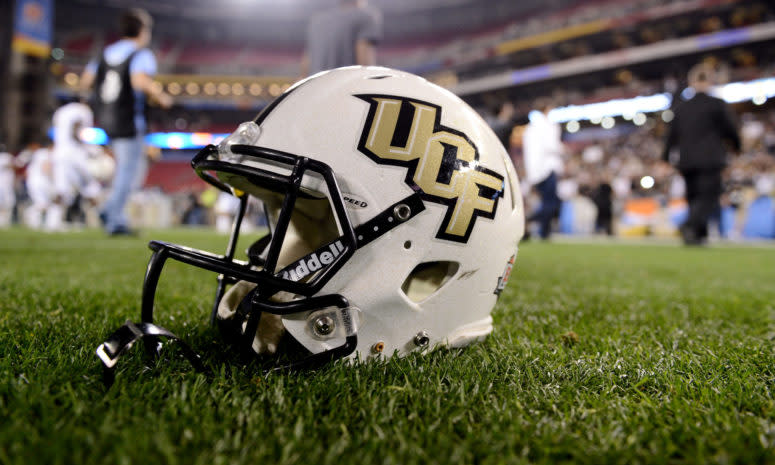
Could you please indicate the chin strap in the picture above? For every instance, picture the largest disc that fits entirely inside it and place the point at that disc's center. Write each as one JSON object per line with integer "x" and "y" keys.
{"x": 125, "y": 337}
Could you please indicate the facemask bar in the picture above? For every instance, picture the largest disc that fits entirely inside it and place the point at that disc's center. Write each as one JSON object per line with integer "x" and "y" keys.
{"x": 269, "y": 279}
{"x": 230, "y": 270}
{"x": 230, "y": 250}
{"x": 290, "y": 184}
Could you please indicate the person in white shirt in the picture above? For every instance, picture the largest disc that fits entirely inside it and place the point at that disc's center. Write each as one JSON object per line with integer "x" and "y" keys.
{"x": 7, "y": 194}
{"x": 226, "y": 207}
{"x": 70, "y": 162}
{"x": 40, "y": 186}
{"x": 542, "y": 151}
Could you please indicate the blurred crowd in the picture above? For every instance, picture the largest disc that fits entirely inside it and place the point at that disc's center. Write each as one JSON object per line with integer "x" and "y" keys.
{"x": 591, "y": 28}
{"x": 606, "y": 170}
{"x": 29, "y": 199}
{"x": 612, "y": 168}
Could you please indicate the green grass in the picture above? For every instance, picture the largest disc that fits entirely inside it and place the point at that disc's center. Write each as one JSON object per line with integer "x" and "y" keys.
{"x": 674, "y": 363}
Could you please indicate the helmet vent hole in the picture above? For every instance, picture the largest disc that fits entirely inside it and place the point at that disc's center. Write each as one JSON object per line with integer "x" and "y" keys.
{"x": 382, "y": 76}
{"x": 408, "y": 245}
{"x": 427, "y": 278}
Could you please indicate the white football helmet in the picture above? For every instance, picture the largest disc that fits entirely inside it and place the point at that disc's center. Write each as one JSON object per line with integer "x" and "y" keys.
{"x": 394, "y": 215}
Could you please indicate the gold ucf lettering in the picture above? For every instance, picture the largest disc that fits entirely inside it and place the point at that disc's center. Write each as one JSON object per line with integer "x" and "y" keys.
{"x": 442, "y": 162}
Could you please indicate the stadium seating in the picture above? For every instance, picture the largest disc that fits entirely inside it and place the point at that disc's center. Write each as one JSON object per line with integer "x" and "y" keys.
{"x": 173, "y": 176}
{"x": 201, "y": 54}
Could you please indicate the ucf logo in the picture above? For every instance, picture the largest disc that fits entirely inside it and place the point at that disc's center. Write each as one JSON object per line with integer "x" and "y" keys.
{"x": 442, "y": 163}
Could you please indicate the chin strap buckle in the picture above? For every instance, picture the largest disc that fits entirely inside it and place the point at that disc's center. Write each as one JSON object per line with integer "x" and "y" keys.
{"x": 125, "y": 337}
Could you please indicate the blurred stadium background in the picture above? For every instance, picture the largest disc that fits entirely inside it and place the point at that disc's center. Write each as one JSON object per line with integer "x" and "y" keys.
{"x": 613, "y": 68}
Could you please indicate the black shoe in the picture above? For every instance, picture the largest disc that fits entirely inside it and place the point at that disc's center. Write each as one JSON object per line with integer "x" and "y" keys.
{"x": 690, "y": 237}
{"x": 122, "y": 231}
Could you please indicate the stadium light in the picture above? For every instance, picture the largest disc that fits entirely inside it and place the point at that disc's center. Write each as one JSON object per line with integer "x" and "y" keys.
{"x": 255, "y": 89}
{"x": 71, "y": 79}
{"x": 163, "y": 140}
{"x": 757, "y": 91}
{"x": 744, "y": 91}
{"x": 175, "y": 141}
{"x": 182, "y": 140}
{"x": 647, "y": 182}
{"x": 595, "y": 112}
{"x": 94, "y": 136}
{"x": 174, "y": 88}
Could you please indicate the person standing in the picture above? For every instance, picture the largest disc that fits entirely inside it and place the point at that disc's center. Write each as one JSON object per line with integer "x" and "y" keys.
{"x": 7, "y": 183}
{"x": 699, "y": 128}
{"x": 542, "y": 150}
{"x": 69, "y": 163}
{"x": 344, "y": 36}
{"x": 602, "y": 197}
{"x": 502, "y": 123}
{"x": 123, "y": 78}
{"x": 39, "y": 181}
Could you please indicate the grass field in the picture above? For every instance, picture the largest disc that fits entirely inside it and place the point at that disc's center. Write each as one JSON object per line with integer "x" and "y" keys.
{"x": 675, "y": 362}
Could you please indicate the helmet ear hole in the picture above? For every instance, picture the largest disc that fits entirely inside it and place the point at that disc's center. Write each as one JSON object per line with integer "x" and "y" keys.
{"x": 408, "y": 245}
{"x": 428, "y": 278}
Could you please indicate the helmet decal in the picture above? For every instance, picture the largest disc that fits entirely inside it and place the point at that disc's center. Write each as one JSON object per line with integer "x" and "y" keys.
{"x": 442, "y": 163}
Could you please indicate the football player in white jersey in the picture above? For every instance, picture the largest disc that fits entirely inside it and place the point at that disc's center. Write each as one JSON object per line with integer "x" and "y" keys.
{"x": 7, "y": 194}
{"x": 70, "y": 162}
{"x": 226, "y": 207}
{"x": 40, "y": 185}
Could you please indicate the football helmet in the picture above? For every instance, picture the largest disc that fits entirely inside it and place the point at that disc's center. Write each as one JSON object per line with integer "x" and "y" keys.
{"x": 394, "y": 214}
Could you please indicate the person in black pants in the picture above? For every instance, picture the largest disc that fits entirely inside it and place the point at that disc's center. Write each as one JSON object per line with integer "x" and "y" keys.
{"x": 542, "y": 151}
{"x": 602, "y": 197}
{"x": 699, "y": 128}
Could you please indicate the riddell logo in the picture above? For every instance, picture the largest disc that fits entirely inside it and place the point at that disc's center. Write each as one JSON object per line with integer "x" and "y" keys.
{"x": 313, "y": 262}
